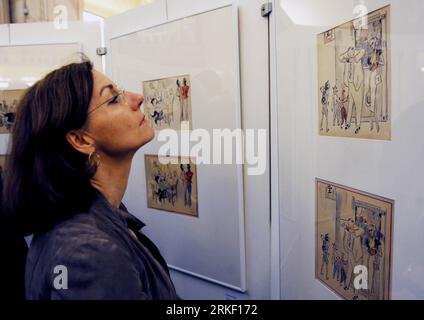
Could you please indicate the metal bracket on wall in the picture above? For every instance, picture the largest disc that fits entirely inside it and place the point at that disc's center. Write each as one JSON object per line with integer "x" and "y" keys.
{"x": 266, "y": 9}
{"x": 101, "y": 51}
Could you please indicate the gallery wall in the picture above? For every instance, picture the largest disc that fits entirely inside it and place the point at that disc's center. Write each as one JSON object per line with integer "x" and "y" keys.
{"x": 254, "y": 95}
{"x": 391, "y": 169}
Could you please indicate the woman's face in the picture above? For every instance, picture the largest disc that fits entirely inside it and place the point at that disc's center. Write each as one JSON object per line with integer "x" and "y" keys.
{"x": 118, "y": 126}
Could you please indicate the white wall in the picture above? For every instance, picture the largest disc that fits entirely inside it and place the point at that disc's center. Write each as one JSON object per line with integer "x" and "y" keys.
{"x": 255, "y": 101}
{"x": 4, "y": 34}
{"x": 88, "y": 34}
{"x": 392, "y": 169}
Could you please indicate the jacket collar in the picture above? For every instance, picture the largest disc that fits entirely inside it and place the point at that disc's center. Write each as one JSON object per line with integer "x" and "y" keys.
{"x": 118, "y": 215}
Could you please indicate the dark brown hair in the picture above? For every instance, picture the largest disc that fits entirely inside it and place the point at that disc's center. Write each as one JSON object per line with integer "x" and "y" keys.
{"x": 46, "y": 179}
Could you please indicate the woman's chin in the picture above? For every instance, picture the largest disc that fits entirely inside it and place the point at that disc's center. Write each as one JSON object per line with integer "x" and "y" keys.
{"x": 152, "y": 134}
{"x": 148, "y": 136}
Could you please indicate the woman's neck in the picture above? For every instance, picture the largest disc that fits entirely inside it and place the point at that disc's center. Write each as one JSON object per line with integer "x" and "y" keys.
{"x": 111, "y": 178}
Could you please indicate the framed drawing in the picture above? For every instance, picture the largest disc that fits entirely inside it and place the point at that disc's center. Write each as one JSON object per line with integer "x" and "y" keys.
{"x": 9, "y": 100}
{"x": 168, "y": 102}
{"x": 354, "y": 91}
{"x": 353, "y": 228}
{"x": 171, "y": 187}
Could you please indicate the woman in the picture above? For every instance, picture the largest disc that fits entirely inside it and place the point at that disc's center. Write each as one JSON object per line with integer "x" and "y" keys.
{"x": 73, "y": 142}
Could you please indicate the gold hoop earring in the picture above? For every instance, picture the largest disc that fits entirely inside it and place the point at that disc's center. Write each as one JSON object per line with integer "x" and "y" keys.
{"x": 90, "y": 158}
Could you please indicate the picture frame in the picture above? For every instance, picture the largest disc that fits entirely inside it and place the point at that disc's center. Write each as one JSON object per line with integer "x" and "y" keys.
{"x": 168, "y": 102}
{"x": 354, "y": 78}
{"x": 354, "y": 231}
{"x": 172, "y": 187}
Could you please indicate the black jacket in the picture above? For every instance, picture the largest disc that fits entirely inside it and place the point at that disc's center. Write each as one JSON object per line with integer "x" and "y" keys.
{"x": 102, "y": 259}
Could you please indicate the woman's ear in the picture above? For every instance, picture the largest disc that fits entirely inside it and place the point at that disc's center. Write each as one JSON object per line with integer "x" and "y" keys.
{"x": 80, "y": 141}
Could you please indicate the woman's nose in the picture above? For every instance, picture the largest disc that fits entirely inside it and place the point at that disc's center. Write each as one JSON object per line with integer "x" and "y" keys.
{"x": 136, "y": 100}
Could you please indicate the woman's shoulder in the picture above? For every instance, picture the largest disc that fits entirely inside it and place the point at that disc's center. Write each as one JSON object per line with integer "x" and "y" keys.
{"x": 74, "y": 237}
{"x": 81, "y": 224}
{"x": 83, "y": 249}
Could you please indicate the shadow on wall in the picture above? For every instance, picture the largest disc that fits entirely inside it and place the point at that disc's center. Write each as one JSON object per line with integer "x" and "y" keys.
{"x": 403, "y": 154}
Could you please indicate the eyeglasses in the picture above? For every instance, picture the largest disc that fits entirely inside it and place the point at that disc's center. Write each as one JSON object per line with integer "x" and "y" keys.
{"x": 117, "y": 98}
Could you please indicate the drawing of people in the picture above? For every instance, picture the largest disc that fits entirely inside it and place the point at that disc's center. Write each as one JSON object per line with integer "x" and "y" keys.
{"x": 375, "y": 278}
{"x": 182, "y": 180}
{"x": 179, "y": 94}
{"x": 335, "y": 108}
{"x": 154, "y": 190}
{"x": 325, "y": 247}
{"x": 158, "y": 97}
{"x": 3, "y": 106}
{"x": 2, "y": 113}
{"x": 343, "y": 271}
{"x": 336, "y": 263}
{"x": 324, "y": 103}
{"x": 188, "y": 176}
{"x": 173, "y": 181}
{"x": 163, "y": 188}
{"x": 353, "y": 247}
{"x": 157, "y": 117}
{"x": 343, "y": 113}
{"x": 184, "y": 92}
{"x": 373, "y": 244}
{"x": 336, "y": 269}
{"x": 353, "y": 77}
{"x": 373, "y": 67}
{"x": 9, "y": 114}
{"x": 162, "y": 100}
{"x": 14, "y": 106}
{"x": 151, "y": 95}
{"x": 170, "y": 105}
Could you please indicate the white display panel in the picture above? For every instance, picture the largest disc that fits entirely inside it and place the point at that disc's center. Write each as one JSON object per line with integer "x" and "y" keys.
{"x": 21, "y": 66}
{"x": 182, "y": 8}
{"x": 390, "y": 169}
{"x": 88, "y": 34}
{"x": 139, "y": 18}
{"x": 4, "y": 34}
{"x": 25, "y": 64}
{"x": 212, "y": 245}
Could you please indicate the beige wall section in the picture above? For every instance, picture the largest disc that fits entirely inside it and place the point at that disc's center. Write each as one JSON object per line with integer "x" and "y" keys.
{"x": 43, "y": 10}
{"x": 4, "y": 11}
